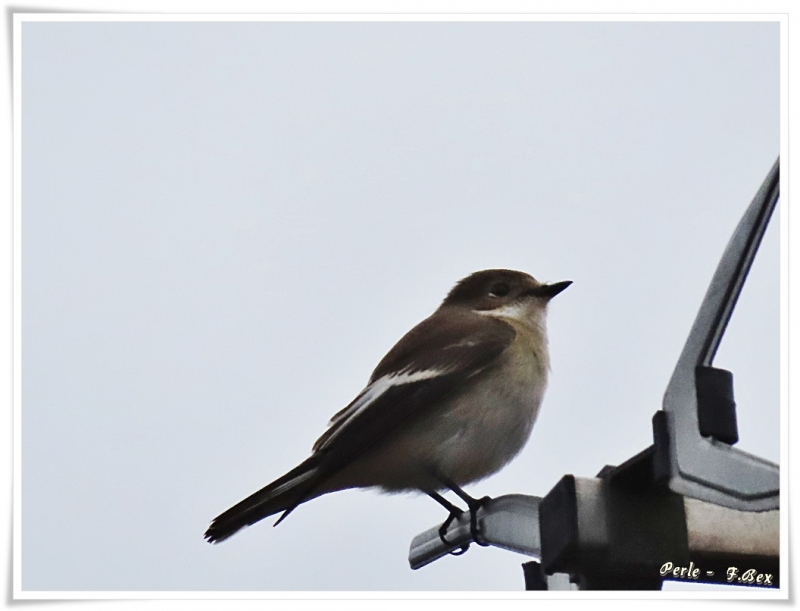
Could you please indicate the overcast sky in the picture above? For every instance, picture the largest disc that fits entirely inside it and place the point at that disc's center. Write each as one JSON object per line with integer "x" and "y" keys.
{"x": 225, "y": 226}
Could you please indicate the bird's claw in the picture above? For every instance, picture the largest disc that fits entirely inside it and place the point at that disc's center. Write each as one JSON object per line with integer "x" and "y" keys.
{"x": 443, "y": 531}
{"x": 474, "y": 528}
{"x": 474, "y": 506}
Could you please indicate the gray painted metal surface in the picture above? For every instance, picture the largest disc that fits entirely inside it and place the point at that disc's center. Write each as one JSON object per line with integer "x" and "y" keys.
{"x": 510, "y": 522}
{"x": 701, "y": 467}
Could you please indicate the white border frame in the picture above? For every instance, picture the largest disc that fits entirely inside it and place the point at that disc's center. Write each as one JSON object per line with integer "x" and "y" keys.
{"x": 740, "y": 594}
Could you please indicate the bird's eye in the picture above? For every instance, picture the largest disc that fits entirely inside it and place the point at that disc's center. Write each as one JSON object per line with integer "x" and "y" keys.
{"x": 499, "y": 290}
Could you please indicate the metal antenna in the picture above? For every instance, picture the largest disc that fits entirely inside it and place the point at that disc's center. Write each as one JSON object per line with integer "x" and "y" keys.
{"x": 704, "y": 467}
{"x": 688, "y": 500}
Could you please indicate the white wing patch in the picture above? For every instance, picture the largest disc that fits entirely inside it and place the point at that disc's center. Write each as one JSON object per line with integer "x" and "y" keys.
{"x": 372, "y": 392}
{"x": 465, "y": 343}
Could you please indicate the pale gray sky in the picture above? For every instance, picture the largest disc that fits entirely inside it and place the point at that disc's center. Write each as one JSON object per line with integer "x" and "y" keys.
{"x": 226, "y": 225}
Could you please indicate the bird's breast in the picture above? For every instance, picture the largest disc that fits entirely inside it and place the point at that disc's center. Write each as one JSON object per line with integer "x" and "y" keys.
{"x": 488, "y": 424}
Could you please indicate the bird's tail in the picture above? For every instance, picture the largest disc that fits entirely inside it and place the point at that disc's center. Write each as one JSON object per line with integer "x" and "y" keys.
{"x": 284, "y": 494}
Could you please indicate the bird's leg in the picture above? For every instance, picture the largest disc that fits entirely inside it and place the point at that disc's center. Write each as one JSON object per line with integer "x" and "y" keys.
{"x": 473, "y": 504}
{"x": 455, "y": 512}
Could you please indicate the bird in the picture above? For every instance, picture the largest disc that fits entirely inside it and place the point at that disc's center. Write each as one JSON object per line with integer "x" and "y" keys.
{"x": 450, "y": 404}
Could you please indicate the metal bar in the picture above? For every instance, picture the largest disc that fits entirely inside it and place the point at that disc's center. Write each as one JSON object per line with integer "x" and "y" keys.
{"x": 702, "y": 467}
{"x": 510, "y": 522}
{"x": 713, "y": 529}
{"x": 617, "y": 537}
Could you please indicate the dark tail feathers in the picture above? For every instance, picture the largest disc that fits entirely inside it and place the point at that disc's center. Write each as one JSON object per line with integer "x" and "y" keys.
{"x": 284, "y": 494}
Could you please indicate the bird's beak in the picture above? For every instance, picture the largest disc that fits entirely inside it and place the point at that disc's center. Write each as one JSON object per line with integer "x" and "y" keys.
{"x": 551, "y": 290}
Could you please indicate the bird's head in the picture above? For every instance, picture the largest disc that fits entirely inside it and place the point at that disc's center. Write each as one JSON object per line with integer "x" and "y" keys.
{"x": 503, "y": 292}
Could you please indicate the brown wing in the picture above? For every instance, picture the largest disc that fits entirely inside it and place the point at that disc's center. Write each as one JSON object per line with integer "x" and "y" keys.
{"x": 429, "y": 362}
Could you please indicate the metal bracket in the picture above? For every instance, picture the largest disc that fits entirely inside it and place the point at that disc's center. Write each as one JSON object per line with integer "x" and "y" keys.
{"x": 617, "y": 534}
{"x": 628, "y": 519}
{"x": 704, "y": 467}
{"x": 510, "y": 522}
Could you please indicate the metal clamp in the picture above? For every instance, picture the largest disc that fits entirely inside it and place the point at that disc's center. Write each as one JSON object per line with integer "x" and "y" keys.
{"x": 510, "y": 522}
{"x": 704, "y": 467}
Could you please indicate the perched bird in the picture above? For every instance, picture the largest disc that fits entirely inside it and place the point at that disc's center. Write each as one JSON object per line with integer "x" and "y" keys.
{"x": 451, "y": 403}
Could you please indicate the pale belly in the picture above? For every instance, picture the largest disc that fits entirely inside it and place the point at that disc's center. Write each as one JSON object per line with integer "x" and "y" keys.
{"x": 481, "y": 434}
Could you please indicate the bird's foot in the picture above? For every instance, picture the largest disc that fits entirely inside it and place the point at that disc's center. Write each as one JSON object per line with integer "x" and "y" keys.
{"x": 455, "y": 513}
{"x": 474, "y": 506}
{"x": 474, "y": 528}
